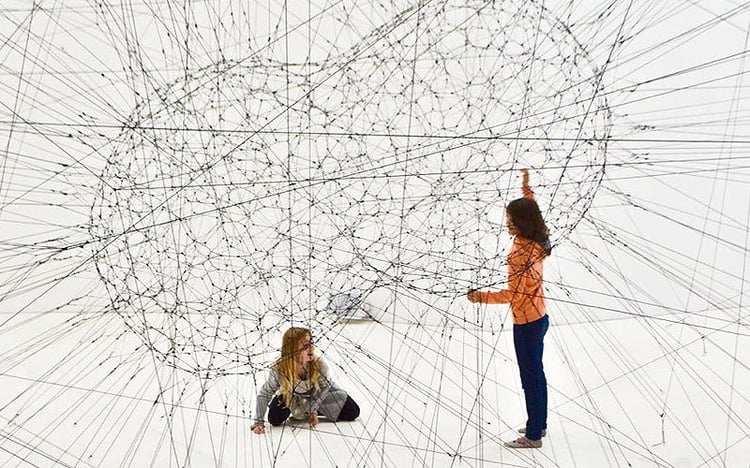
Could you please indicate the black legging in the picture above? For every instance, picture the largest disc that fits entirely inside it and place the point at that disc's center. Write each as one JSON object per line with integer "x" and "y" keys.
{"x": 278, "y": 412}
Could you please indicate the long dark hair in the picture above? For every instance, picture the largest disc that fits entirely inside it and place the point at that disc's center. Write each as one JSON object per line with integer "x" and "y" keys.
{"x": 526, "y": 217}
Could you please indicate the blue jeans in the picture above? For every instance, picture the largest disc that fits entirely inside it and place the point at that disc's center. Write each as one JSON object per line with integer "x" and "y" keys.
{"x": 528, "y": 340}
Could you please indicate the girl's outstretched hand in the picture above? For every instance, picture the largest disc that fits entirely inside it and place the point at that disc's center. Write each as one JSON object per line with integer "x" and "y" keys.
{"x": 313, "y": 419}
{"x": 259, "y": 429}
{"x": 473, "y": 295}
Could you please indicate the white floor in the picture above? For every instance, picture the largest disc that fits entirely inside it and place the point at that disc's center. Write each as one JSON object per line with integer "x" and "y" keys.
{"x": 431, "y": 395}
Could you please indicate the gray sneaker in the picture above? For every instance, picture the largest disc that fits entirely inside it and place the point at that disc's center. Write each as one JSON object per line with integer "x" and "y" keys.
{"x": 523, "y": 442}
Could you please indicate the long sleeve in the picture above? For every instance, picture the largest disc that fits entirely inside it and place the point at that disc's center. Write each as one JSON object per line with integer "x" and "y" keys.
{"x": 267, "y": 391}
{"x": 495, "y": 297}
{"x": 525, "y": 187}
{"x": 519, "y": 262}
{"x": 524, "y": 292}
{"x": 325, "y": 387}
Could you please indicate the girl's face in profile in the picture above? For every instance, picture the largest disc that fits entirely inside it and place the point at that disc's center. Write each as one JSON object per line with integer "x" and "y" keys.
{"x": 305, "y": 350}
{"x": 509, "y": 223}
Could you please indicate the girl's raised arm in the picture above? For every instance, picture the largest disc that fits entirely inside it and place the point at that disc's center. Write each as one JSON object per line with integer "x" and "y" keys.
{"x": 527, "y": 192}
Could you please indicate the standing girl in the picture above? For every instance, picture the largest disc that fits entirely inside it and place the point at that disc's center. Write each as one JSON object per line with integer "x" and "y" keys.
{"x": 300, "y": 387}
{"x": 526, "y": 298}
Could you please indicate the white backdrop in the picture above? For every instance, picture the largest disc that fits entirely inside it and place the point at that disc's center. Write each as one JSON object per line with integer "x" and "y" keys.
{"x": 182, "y": 182}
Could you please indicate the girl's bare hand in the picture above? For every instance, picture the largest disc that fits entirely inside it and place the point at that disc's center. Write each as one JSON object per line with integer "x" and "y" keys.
{"x": 259, "y": 429}
{"x": 473, "y": 296}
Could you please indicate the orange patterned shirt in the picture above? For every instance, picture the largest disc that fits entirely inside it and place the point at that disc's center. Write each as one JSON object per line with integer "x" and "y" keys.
{"x": 525, "y": 293}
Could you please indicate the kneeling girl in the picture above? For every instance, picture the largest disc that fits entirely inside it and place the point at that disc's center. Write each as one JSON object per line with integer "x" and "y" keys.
{"x": 298, "y": 386}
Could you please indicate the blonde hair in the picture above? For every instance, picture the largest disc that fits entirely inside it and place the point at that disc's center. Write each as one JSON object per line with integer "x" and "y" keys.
{"x": 288, "y": 366}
